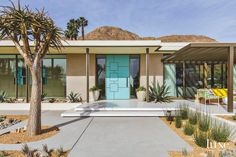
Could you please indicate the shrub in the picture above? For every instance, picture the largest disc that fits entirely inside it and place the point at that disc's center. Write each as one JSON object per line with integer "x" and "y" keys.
{"x": 200, "y": 138}
{"x": 141, "y": 88}
{"x": 204, "y": 122}
{"x": 43, "y": 96}
{"x": 184, "y": 152}
{"x": 234, "y": 117}
{"x": 189, "y": 129}
{"x": 178, "y": 121}
{"x": 2, "y": 154}
{"x": 220, "y": 132}
{"x": 3, "y": 96}
{"x": 192, "y": 118}
{"x": 184, "y": 111}
{"x": 159, "y": 93}
{"x": 60, "y": 151}
{"x": 94, "y": 88}
{"x": 2, "y": 118}
{"x": 74, "y": 97}
{"x": 27, "y": 151}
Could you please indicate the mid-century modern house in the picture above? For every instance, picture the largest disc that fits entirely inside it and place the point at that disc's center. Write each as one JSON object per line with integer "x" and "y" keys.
{"x": 119, "y": 67}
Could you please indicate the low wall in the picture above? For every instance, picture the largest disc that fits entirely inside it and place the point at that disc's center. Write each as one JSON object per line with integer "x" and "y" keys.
{"x": 45, "y": 106}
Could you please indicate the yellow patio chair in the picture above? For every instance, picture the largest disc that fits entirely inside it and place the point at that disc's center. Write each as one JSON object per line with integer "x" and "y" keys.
{"x": 222, "y": 93}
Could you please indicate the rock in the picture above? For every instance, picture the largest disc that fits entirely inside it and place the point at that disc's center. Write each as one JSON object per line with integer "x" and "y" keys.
{"x": 41, "y": 153}
{"x": 203, "y": 154}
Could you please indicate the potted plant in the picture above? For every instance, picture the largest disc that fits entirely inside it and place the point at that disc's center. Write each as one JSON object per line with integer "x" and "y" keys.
{"x": 94, "y": 93}
{"x": 141, "y": 93}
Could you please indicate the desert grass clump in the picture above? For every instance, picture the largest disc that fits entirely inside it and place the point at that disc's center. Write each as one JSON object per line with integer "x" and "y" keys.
{"x": 189, "y": 129}
{"x": 60, "y": 151}
{"x": 192, "y": 118}
{"x": 178, "y": 121}
{"x": 2, "y": 154}
{"x": 184, "y": 111}
{"x": 200, "y": 138}
{"x": 184, "y": 152}
{"x": 27, "y": 151}
{"x": 220, "y": 132}
{"x": 204, "y": 122}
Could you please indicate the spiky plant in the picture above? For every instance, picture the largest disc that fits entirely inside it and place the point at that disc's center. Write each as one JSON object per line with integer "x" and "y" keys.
{"x": 204, "y": 122}
{"x": 159, "y": 93}
{"x": 3, "y": 96}
{"x": 74, "y": 97}
{"x": 220, "y": 132}
{"x": 27, "y": 151}
{"x": 192, "y": 118}
{"x": 60, "y": 151}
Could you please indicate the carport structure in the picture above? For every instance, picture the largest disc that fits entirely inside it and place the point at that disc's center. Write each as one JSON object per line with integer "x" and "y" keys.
{"x": 208, "y": 53}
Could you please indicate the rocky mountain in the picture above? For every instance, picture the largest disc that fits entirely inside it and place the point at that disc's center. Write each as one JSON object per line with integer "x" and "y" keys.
{"x": 115, "y": 33}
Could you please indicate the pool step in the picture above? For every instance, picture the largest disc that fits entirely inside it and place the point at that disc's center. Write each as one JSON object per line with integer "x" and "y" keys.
{"x": 73, "y": 113}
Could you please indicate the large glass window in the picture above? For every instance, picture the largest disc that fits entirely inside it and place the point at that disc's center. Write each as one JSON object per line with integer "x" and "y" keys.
{"x": 21, "y": 77}
{"x": 101, "y": 73}
{"x": 54, "y": 75}
{"x": 7, "y": 74}
{"x": 134, "y": 74}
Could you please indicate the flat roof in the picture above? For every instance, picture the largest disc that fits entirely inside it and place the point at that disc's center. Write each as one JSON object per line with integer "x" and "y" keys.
{"x": 99, "y": 43}
{"x": 104, "y": 46}
{"x": 204, "y": 52}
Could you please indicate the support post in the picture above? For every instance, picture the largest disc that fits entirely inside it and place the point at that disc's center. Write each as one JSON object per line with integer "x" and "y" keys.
{"x": 222, "y": 75}
{"x": 16, "y": 78}
{"x": 147, "y": 74}
{"x": 212, "y": 76}
{"x": 230, "y": 78}
{"x": 205, "y": 69}
{"x": 184, "y": 79}
{"x": 87, "y": 75}
{"x": 27, "y": 84}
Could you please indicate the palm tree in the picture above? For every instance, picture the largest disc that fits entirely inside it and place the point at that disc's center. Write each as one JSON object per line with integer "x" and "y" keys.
{"x": 72, "y": 31}
{"x": 83, "y": 23}
{"x": 22, "y": 26}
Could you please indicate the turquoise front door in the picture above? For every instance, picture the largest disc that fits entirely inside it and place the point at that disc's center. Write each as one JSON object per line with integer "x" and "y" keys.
{"x": 117, "y": 77}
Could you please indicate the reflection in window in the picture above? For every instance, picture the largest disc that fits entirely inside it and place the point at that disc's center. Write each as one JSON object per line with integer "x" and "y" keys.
{"x": 134, "y": 74}
{"x": 21, "y": 77}
{"x": 7, "y": 74}
{"x": 101, "y": 73}
{"x": 54, "y": 76}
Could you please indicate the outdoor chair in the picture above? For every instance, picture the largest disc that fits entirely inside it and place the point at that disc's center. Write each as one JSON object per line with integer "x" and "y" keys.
{"x": 207, "y": 95}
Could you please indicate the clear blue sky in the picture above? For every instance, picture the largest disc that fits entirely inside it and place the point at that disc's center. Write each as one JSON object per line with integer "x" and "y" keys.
{"x": 214, "y": 18}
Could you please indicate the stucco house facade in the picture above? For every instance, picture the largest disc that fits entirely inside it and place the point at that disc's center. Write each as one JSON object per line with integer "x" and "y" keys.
{"x": 116, "y": 67}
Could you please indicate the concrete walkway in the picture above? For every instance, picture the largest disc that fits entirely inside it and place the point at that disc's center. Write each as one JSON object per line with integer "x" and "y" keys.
{"x": 106, "y": 136}
{"x": 127, "y": 136}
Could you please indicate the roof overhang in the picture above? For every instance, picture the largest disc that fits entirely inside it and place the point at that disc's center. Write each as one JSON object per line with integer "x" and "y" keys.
{"x": 202, "y": 52}
{"x": 95, "y": 47}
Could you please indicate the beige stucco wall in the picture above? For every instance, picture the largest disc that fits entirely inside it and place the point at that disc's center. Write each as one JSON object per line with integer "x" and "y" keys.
{"x": 155, "y": 69}
{"x": 76, "y": 73}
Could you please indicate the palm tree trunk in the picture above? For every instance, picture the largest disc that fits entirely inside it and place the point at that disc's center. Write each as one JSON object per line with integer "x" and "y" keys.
{"x": 34, "y": 122}
{"x": 83, "y": 32}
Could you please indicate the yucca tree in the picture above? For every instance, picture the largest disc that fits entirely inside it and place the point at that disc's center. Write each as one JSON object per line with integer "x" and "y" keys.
{"x": 83, "y": 23}
{"x": 72, "y": 30}
{"x": 32, "y": 33}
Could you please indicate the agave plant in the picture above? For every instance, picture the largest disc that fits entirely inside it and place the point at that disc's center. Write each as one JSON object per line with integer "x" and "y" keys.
{"x": 74, "y": 97}
{"x": 3, "y": 96}
{"x": 159, "y": 93}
